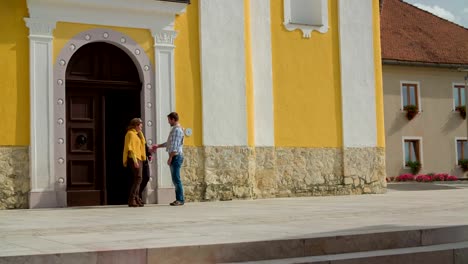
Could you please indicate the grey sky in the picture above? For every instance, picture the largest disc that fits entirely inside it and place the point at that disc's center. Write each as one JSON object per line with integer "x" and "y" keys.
{"x": 453, "y": 10}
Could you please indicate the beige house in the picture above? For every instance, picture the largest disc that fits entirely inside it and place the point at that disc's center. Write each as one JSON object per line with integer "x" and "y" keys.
{"x": 423, "y": 56}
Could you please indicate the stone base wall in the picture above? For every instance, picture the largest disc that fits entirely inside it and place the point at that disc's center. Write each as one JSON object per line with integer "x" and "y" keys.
{"x": 14, "y": 177}
{"x": 225, "y": 173}
{"x": 193, "y": 174}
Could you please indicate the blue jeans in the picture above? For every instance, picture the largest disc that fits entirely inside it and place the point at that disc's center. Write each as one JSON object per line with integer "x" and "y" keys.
{"x": 175, "y": 173}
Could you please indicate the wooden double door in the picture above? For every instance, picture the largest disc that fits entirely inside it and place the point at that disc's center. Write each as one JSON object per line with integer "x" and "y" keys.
{"x": 103, "y": 94}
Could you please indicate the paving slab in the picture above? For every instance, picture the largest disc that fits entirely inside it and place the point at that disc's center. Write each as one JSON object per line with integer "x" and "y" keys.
{"x": 100, "y": 229}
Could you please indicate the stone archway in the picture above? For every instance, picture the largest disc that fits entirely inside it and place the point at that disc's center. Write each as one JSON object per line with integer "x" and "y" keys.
{"x": 145, "y": 70}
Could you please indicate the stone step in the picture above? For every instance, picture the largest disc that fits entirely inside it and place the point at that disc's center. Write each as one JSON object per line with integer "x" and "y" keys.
{"x": 327, "y": 244}
{"x": 450, "y": 253}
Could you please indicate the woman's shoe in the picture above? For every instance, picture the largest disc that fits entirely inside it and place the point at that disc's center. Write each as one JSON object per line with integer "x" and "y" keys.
{"x": 140, "y": 202}
{"x": 133, "y": 203}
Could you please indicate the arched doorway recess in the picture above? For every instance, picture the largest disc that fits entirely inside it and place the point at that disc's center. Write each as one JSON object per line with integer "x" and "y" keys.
{"x": 102, "y": 94}
{"x": 103, "y": 79}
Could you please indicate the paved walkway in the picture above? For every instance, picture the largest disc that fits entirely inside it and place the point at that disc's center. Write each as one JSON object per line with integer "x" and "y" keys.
{"x": 27, "y": 232}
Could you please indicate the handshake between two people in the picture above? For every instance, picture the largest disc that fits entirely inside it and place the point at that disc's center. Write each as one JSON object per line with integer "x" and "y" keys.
{"x": 151, "y": 150}
{"x": 154, "y": 147}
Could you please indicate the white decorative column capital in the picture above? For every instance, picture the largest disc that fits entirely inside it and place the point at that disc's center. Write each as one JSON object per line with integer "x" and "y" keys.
{"x": 40, "y": 28}
{"x": 164, "y": 38}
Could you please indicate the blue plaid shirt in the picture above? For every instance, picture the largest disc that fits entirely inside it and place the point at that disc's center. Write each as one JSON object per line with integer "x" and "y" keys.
{"x": 175, "y": 140}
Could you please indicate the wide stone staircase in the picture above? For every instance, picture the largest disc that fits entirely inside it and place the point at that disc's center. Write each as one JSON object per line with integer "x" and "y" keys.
{"x": 428, "y": 246}
{"x": 438, "y": 245}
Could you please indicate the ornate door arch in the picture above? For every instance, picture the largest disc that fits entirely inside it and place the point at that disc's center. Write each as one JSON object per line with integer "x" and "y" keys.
{"x": 87, "y": 76}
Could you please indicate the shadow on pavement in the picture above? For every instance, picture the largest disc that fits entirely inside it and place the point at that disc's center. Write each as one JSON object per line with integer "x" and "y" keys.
{"x": 416, "y": 186}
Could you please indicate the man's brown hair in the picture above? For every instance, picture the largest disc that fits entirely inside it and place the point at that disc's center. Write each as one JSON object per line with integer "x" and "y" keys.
{"x": 174, "y": 116}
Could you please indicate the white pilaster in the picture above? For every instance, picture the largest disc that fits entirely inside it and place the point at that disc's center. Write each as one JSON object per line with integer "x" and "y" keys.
{"x": 260, "y": 24}
{"x": 357, "y": 73}
{"x": 42, "y": 157}
{"x": 165, "y": 97}
{"x": 223, "y": 73}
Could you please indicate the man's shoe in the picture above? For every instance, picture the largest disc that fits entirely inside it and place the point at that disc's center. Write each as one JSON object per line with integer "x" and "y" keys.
{"x": 176, "y": 203}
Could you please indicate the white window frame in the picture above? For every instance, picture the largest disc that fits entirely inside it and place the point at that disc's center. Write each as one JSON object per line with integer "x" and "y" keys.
{"x": 456, "y": 150}
{"x": 305, "y": 28}
{"x": 419, "y": 93}
{"x": 421, "y": 156}
{"x": 453, "y": 94}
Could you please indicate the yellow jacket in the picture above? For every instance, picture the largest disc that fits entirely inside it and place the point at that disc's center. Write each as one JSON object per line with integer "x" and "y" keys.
{"x": 134, "y": 147}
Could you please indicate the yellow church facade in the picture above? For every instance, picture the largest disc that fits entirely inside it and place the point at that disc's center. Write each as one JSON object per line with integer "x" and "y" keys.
{"x": 278, "y": 98}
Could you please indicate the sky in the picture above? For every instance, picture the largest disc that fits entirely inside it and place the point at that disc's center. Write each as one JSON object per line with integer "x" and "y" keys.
{"x": 452, "y": 10}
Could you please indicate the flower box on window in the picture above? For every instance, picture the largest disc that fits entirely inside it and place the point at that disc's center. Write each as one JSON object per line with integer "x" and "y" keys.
{"x": 411, "y": 111}
{"x": 415, "y": 166}
{"x": 462, "y": 111}
{"x": 463, "y": 163}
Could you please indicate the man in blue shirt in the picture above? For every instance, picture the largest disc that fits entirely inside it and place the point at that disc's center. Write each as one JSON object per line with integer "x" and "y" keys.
{"x": 174, "y": 146}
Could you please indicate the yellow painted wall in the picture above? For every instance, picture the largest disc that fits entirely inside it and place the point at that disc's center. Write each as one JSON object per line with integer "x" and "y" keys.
{"x": 306, "y": 83}
{"x": 306, "y": 76}
{"x": 187, "y": 68}
{"x": 14, "y": 74}
{"x": 378, "y": 76}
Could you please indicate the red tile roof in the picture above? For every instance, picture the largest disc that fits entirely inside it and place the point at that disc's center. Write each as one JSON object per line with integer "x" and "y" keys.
{"x": 410, "y": 34}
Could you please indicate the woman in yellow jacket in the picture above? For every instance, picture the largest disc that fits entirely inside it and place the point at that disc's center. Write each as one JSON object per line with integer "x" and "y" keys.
{"x": 133, "y": 156}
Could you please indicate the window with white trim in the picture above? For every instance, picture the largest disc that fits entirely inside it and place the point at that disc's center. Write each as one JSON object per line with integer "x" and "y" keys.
{"x": 306, "y": 12}
{"x": 412, "y": 150}
{"x": 409, "y": 94}
{"x": 458, "y": 96}
{"x": 462, "y": 149}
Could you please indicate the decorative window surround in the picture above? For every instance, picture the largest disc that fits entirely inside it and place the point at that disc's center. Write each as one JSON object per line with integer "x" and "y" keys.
{"x": 306, "y": 15}
{"x": 48, "y": 168}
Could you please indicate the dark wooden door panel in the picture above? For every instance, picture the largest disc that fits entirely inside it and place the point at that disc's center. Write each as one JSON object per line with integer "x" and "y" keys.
{"x": 81, "y": 140}
{"x": 84, "y": 156}
{"x": 82, "y": 173}
{"x": 102, "y": 62}
{"x": 82, "y": 108}
{"x": 103, "y": 93}
{"x": 83, "y": 197}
